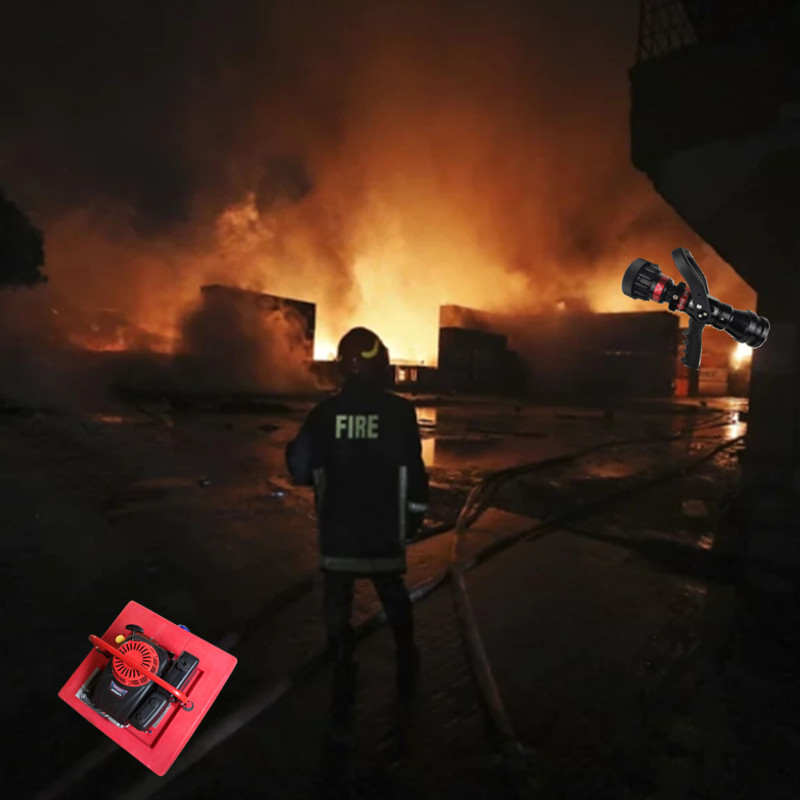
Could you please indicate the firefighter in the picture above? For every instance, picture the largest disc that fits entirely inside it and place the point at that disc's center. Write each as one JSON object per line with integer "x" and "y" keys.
{"x": 361, "y": 451}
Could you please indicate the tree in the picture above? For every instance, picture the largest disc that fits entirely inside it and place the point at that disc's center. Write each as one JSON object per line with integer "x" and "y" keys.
{"x": 21, "y": 247}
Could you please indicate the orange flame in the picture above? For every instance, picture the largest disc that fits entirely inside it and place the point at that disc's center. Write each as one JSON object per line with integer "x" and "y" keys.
{"x": 451, "y": 154}
{"x": 742, "y": 355}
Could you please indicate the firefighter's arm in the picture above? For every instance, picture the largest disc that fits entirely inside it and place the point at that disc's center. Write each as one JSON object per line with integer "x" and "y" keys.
{"x": 418, "y": 488}
{"x": 299, "y": 454}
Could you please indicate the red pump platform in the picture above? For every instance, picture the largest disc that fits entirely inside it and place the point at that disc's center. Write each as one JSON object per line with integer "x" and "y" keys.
{"x": 158, "y": 747}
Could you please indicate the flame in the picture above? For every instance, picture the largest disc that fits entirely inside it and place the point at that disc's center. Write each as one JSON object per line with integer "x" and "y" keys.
{"x": 742, "y": 355}
{"x": 108, "y": 330}
{"x": 98, "y": 345}
{"x": 325, "y": 349}
{"x": 430, "y": 156}
{"x": 402, "y": 263}
{"x": 122, "y": 342}
{"x": 392, "y": 291}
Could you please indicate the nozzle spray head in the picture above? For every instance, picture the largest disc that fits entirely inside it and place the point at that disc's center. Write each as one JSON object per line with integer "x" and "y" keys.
{"x": 643, "y": 280}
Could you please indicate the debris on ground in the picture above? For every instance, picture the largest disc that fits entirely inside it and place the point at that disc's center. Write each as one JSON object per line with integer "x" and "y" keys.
{"x": 695, "y": 509}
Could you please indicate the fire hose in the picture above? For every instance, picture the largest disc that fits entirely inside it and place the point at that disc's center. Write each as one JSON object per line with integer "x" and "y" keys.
{"x": 516, "y": 756}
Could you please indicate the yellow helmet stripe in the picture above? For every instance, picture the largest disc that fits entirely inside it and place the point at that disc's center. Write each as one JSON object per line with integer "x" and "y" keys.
{"x": 372, "y": 353}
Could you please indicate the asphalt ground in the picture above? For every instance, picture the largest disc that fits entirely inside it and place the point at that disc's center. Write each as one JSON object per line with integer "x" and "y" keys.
{"x": 625, "y": 663}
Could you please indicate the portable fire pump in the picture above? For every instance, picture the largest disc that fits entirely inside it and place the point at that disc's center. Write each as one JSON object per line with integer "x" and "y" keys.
{"x": 147, "y": 684}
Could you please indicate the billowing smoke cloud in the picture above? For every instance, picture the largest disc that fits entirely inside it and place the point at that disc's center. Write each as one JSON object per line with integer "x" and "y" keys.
{"x": 244, "y": 342}
{"x": 379, "y": 159}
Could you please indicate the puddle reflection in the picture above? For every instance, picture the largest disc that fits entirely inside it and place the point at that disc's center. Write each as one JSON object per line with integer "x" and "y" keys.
{"x": 427, "y": 417}
{"x": 429, "y": 451}
{"x": 611, "y": 469}
{"x": 110, "y": 419}
{"x": 497, "y": 453}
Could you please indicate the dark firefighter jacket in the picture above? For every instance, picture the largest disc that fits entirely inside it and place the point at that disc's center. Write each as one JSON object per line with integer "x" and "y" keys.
{"x": 361, "y": 451}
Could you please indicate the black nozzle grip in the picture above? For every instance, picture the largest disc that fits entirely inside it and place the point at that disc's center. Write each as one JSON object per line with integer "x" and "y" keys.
{"x": 694, "y": 344}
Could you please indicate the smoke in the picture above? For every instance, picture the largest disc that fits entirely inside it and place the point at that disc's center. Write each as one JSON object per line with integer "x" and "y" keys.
{"x": 378, "y": 159}
{"x": 245, "y": 342}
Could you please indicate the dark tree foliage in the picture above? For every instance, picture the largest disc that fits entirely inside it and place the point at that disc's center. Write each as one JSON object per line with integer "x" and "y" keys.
{"x": 21, "y": 247}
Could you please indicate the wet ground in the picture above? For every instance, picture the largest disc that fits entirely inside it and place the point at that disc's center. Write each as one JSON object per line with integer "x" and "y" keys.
{"x": 614, "y": 634}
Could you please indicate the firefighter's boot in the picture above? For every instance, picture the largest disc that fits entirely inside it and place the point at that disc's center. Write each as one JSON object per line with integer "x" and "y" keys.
{"x": 408, "y": 669}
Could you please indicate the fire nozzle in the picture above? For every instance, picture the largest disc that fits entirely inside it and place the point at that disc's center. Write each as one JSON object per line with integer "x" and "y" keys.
{"x": 643, "y": 280}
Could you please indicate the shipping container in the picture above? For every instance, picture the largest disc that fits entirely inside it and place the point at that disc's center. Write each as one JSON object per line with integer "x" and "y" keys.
{"x": 569, "y": 355}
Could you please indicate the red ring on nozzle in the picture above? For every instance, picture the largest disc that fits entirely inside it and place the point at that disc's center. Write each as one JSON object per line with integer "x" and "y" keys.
{"x": 659, "y": 288}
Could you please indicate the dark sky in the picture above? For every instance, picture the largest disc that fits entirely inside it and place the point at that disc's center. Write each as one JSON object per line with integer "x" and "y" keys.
{"x": 100, "y": 98}
{"x": 154, "y": 102}
{"x": 493, "y": 134}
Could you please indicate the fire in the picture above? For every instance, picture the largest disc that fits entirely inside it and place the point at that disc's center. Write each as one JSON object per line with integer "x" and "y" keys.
{"x": 393, "y": 267}
{"x": 102, "y": 345}
{"x": 742, "y": 355}
{"x": 391, "y": 159}
{"x": 394, "y": 280}
{"x": 324, "y": 349}
{"x": 111, "y": 332}
{"x": 119, "y": 343}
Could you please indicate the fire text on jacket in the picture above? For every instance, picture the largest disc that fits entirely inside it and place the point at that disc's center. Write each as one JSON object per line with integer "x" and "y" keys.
{"x": 357, "y": 426}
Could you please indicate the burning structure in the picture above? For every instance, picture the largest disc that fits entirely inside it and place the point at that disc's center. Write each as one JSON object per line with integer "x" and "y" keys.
{"x": 363, "y": 163}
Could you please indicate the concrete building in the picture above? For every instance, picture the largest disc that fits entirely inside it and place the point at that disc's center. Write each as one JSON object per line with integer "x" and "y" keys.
{"x": 715, "y": 124}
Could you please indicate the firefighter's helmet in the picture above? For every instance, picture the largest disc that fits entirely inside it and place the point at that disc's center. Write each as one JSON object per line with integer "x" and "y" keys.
{"x": 363, "y": 355}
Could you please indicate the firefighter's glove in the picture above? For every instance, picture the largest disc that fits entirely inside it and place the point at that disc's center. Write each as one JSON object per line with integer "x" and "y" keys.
{"x": 415, "y": 518}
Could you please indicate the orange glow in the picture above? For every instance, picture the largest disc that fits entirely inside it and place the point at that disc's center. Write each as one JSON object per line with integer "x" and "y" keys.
{"x": 98, "y": 345}
{"x": 120, "y": 342}
{"x": 742, "y": 355}
{"x": 409, "y": 251}
{"x": 399, "y": 282}
{"x": 324, "y": 349}
{"x": 405, "y": 219}
{"x": 448, "y": 154}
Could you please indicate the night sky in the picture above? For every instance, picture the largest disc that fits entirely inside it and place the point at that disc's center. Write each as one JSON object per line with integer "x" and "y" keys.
{"x": 155, "y": 104}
